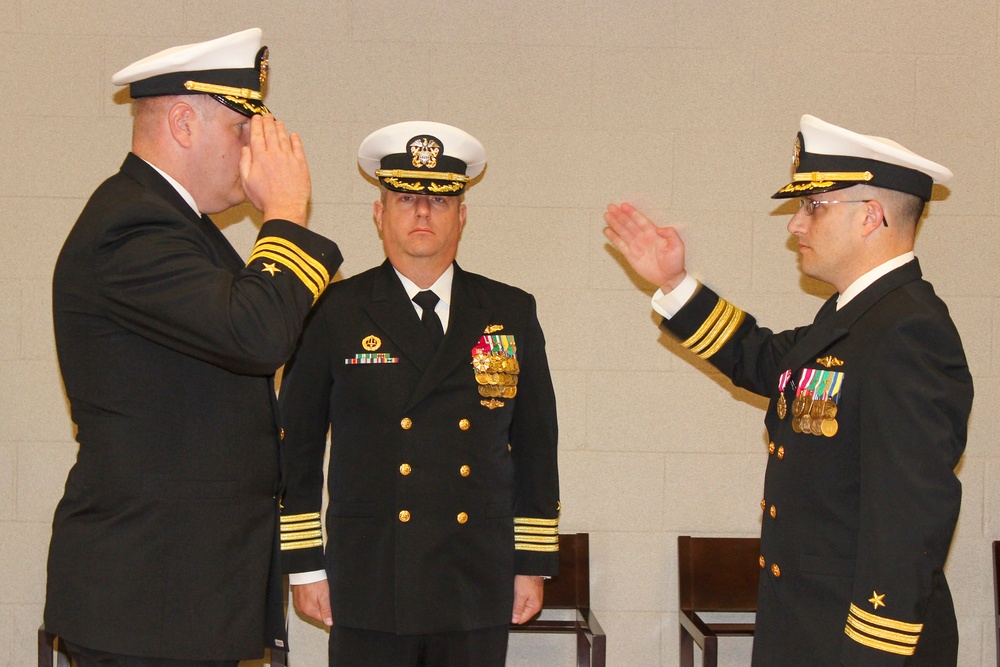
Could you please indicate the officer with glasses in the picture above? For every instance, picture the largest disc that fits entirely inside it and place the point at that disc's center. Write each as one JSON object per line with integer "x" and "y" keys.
{"x": 868, "y": 411}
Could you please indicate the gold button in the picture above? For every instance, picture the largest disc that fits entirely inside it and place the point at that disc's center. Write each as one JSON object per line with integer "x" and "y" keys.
{"x": 762, "y": 561}
{"x": 406, "y": 423}
{"x": 763, "y": 504}
{"x": 405, "y": 469}
{"x": 281, "y": 434}
{"x": 462, "y": 517}
{"x": 774, "y": 512}
{"x": 781, "y": 452}
{"x": 775, "y": 570}
{"x": 404, "y": 516}
{"x": 465, "y": 471}
{"x": 464, "y": 424}
{"x": 770, "y": 448}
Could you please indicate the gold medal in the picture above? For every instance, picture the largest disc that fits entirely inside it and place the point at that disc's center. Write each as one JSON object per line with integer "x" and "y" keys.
{"x": 782, "y": 406}
{"x": 830, "y": 427}
{"x": 795, "y": 425}
{"x": 807, "y": 401}
{"x": 816, "y": 409}
{"x": 816, "y": 425}
{"x": 805, "y": 424}
{"x": 797, "y": 404}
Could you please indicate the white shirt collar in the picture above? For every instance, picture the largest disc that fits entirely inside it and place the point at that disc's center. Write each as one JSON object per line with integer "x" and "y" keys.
{"x": 859, "y": 285}
{"x": 181, "y": 190}
{"x": 441, "y": 287}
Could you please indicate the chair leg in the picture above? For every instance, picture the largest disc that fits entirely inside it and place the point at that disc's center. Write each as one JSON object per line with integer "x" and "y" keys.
{"x": 710, "y": 652}
{"x": 582, "y": 648}
{"x": 687, "y": 649}
{"x": 600, "y": 650}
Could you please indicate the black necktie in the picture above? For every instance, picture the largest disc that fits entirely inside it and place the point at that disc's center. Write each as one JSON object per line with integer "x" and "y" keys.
{"x": 432, "y": 324}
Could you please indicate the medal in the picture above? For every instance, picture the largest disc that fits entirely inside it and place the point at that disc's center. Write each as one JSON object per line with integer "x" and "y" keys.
{"x": 782, "y": 406}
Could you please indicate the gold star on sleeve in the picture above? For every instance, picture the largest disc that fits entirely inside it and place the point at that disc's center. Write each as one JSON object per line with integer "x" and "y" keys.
{"x": 271, "y": 268}
{"x": 876, "y": 600}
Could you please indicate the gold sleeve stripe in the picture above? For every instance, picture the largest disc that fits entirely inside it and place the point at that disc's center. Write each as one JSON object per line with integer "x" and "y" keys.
{"x": 915, "y": 628}
{"x": 706, "y": 325}
{"x": 301, "y": 535}
{"x": 897, "y": 637}
{"x": 878, "y": 645}
{"x": 312, "y": 274}
{"x": 292, "y": 518}
{"x": 307, "y": 261}
{"x": 543, "y": 548}
{"x": 304, "y": 525}
{"x": 291, "y": 546}
{"x": 315, "y": 287}
{"x": 730, "y": 329}
{"x": 292, "y": 255}
{"x": 536, "y": 539}
{"x": 717, "y": 326}
{"x": 532, "y": 521}
{"x": 529, "y": 530}
{"x": 716, "y": 330}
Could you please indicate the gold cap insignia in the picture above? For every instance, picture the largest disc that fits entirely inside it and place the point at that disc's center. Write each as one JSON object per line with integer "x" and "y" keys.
{"x": 796, "y": 152}
{"x": 829, "y": 361}
{"x": 425, "y": 151}
{"x": 371, "y": 343}
{"x": 264, "y": 65}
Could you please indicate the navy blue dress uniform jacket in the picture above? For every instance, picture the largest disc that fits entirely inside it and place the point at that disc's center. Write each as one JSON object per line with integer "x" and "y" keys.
{"x": 165, "y": 543}
{"x": 858, "y": 519}
{"x": 437, "y": 494}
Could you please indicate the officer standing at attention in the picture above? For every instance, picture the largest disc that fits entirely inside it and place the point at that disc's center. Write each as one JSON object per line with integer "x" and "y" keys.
{"x": 164, "y": 546}
{"x": 868, "y": 413}
{"x": 434, "y": 385}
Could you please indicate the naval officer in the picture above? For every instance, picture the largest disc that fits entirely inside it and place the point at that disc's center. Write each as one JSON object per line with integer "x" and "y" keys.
{"x": 868, "y": 409}
{"x": 434, "y": 387}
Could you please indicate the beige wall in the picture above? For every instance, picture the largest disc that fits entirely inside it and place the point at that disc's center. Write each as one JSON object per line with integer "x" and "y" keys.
{"x": 686, "y": 107}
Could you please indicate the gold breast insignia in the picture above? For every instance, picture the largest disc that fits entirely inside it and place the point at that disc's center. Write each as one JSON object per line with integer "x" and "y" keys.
{"x": 493, "y": 328}
{"x": 371, "y": 343}
{"x": 829, "y": 362}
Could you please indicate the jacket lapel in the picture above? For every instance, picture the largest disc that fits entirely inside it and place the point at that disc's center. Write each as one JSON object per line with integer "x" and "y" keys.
{"x": 393, "y": 312}
{"x": 831, "y": 325}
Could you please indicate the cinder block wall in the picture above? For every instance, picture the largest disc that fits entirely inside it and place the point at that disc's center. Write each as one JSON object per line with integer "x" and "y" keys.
{"x": 686, "y": 108}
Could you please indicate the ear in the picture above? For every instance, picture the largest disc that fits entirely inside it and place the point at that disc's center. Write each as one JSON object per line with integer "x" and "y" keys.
{"x": 462, "y": 213}
{"x": 874, "y": 215}
{"x": 377, "y": 209}
{"x": 181, "y": 118}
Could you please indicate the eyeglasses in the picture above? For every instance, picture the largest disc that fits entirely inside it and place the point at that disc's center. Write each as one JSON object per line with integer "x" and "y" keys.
{"x": 809, "y": 206}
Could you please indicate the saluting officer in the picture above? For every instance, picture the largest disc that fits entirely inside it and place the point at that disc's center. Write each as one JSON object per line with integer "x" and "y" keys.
{"x": 164, "y": 545}
{"x": 434, "y": 385}
{"x": 868, "y": 412}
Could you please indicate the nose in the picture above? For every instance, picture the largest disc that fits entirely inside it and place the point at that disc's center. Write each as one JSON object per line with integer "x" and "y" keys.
{"x": 423, "y": 206}
{"x": 798, "y": 223}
